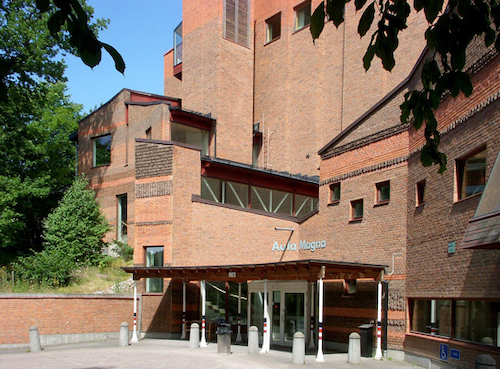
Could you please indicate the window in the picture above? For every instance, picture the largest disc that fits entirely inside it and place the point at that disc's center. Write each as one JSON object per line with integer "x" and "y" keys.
{"x": 420, "y": 193}
{"x": 224, "y": 192}
{"x": 471, "y": 174}
{"x": 121, "y": 226}
{"x": 432, "y": 316}
{"x": 383, "y": 192}
{"x": 237, "y": 21}
{"x": 148, "y": 133}
{"x": 302, "y": 15}
{"x": 273, "y": 28}
{"x": 178, "y": 44}
{"x": 304, "y": 205}
{"x": 190, "y": 135}
{"x": 357, "y": 210}
{"x": 101, "y": 150}
{"x": 272, "y": 201}
{"x": 335, "y": 193}
{"x": 154, "y": 257}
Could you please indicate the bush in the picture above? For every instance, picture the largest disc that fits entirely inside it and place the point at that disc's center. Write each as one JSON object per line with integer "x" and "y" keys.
{"x": 124, "y": 250}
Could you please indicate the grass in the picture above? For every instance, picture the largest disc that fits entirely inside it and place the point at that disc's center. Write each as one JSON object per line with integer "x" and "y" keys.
{"x": 85, "y": 281}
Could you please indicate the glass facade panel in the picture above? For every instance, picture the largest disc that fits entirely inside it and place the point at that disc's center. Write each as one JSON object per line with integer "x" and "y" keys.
{"x": 236, "y": 194}
{"x": 305, "y": 204}
{"x": 257, "y": 310}
{"x": 211, "y": 189}
{"x": 432, "y": 316}
{"x": 178, "y": 44}
{"x": 154, "y": 257}
{"x": 190, "y": 135}
{"x": 233, "y": 303}
{"x": 477, "y": 321}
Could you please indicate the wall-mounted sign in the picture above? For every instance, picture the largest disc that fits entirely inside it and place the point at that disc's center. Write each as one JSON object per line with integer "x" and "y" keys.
{"x": 303, "y": 246}
{"x": 443, "y": 352}
{"x": 455, "y": 354}
{"x": 451, "y": 247}
{"x": 232, "y": 274}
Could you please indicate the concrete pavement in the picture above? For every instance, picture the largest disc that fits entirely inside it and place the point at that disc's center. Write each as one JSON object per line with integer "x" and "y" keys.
{"x": 157, "y": 354}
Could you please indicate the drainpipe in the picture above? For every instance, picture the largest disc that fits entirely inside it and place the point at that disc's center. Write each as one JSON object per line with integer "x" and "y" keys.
{"x": 319, "y": 356}
{"x": 203, "y": 342}
{"x": 311, "y": 338}
{"x": 183, "y": 334}
{"x": 266, "y": 339}
{"x": 238, "y": 336}
{"x": 378, "y": 354}
{"x": 134, "y": 334}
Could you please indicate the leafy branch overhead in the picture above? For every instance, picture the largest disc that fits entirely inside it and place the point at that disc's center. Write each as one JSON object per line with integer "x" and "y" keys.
{"x": 452, "y": 27}
{"x": 71, "y": 15}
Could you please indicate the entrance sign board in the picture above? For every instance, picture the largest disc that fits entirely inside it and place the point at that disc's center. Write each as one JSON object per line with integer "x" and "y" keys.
{"x": 303, "y": 246}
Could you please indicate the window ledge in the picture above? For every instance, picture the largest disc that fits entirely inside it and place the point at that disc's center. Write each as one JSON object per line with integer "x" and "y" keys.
{"x": 300, "y": 29}
{"x": 100, "y": 166}
{"x": 421, "y": 205}
{"x": 273, "y": 40}
{"x": 357, "y": 220}
{"x": 333, "y": 203}
{"x": 460, "y": 343}
{"x": 381, "y": 203}
{"x": 468, "y": 197}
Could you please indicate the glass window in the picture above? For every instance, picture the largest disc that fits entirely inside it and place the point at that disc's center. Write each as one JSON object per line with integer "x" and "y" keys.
{"x": 121, "y": 226}
{"x": 302, "y": 15}
{"x": 224, "y": 192}
{"x": 357, "y": 209}
{"x": 148, "y": 133}
{"x": 178, "y": 44}
{"x": 211, "y": 189}
{"x": 477, "y": 321}
{"x": 190, "y": 135}
{"x": 154, "y": 257}
{"x": 335, "y": 192}
{"x": 272, "y": 201}
{"x": 432, "y": 316}
{"x": 305, "y": 204}
{"x": 420, "y": 193}
{"x": 233, "y": 303}
{"x": 383, "y": 192}
{"x": 273, "y": 27}
{"x": 471, "y": 174}
{"x": 101, "y": 150}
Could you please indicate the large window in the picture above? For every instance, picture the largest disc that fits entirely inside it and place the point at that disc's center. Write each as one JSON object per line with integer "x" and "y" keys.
{"x": 273, "y": 28}
{"x": 302, "y": 15}
{"x": 154, "y": 257}
{"x": 121, "y": 219}
{"x": 224, "y": 192}
{"x": 305, "y": 204}
{"x": 473, "y": 321}
{"x": 101, "y": 147}
{"x": 178, "y": 44}
{"x": 237, "y": 21}
{"x": 272, "y": 201}
{"x": 190, "y": 135}
{"x": 471, "y": 174}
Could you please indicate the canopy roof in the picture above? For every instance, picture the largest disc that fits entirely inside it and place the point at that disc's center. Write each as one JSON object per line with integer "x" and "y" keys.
{"x": 309, "y": 270}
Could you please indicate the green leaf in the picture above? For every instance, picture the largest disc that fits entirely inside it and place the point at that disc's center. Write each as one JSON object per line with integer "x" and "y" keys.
{"x": 368, "y": 57}
{"x": 335, "y": 10}
{"x": 497, "y": 43}
{"x": 119, "y": 62}
{"x": 359, "y": 3}
{"x": 465, "y": 83}
{"x": 317, "y": 21}
{"x": 419, "y": 4}
{"x": 366, "y": 20}
{"x": 489, "y": 37}
{"x": 43, "y": 5}
{"x": 432, "y": 9}
{"x": 55, "y": 22}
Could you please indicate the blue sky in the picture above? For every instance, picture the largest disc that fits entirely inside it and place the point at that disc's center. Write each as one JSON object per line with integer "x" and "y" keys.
{"x": 141, "y": 31}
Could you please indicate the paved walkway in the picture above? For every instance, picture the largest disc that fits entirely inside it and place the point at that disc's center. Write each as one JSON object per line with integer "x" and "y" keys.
{"x": 157, "y": 354}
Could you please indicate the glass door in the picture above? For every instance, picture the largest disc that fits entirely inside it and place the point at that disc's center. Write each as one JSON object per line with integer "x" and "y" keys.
{"x": 293, "y": 315}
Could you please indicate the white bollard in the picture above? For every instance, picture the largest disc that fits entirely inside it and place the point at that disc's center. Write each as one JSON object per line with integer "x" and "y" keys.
{"x": 354, "y": 352}
{"x": 253, "y": 340}
{"x": 123, "y": 334}
{"x": 299, "y": 348}
{"x": 194, "y": 336}
{"x": 35, "y": 340}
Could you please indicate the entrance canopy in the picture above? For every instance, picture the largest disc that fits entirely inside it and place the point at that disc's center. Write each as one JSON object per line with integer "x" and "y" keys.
{"x": 309, "y": 270}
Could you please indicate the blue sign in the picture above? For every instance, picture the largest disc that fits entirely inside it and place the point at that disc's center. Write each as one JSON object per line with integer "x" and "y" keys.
{"x": 455, "y": 354}
{"x": 443, "y": 352}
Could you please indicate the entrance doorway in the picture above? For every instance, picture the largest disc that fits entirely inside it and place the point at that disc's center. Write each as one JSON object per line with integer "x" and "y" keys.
{"x": 287, "y": 307}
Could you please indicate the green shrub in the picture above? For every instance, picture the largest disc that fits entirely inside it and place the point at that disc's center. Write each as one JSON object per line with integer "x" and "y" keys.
{"x": 124, "y": 250}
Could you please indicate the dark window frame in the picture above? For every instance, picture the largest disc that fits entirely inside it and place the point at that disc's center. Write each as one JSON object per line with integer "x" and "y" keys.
{"x": 95, "y": 158}
{"x": 335, "y": 199}
{"x": 380, "y": 192}
{"x": 353, "y": 216}
{"x": 297, "y": 9}
{"x": 420, "y": 188}
{"x": 460, "y": 174}
{"x": 273, "y": 32}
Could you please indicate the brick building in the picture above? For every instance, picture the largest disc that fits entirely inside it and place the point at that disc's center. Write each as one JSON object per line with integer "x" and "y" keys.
{"x": 223, "y": 183}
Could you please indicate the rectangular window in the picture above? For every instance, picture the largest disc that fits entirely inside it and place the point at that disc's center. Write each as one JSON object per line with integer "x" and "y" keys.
{"x": 178, "y": 44}
{"x": 237, "y": 21}
{"x": 304, "y": 205}
{"x": 357, "y": 210}
{"x": 101, "y": 150}
{"x": 190, "y": 135}
{"x": 302, "y": 15}
{"x": 383, "y": 192}
{"x": 148, "y": 133}
{"x": 471, "y": 174}
{"x": 432, "y": 316}
{"x": 121, "y": 219}
{"x": 272, "y": 201}
{"x": 273, "y": 28}
{"x": 224, "y": 192}
{"x": 154, "y": 258}
{"x": 420, "y": 193}
{"x": 335, "y": 193}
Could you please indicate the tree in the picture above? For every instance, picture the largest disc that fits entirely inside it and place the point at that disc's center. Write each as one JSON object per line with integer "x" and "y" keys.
{"x": 73, "y": 235}
{"x": 452, "y": 27}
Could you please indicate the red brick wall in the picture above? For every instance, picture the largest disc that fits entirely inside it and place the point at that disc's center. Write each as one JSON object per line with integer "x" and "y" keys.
{"x": 61, "y": 314}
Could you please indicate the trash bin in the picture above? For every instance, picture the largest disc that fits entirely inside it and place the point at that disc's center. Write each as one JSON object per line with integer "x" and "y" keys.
{"x": 366, "y": 333}
{"x": 224, "y": 338}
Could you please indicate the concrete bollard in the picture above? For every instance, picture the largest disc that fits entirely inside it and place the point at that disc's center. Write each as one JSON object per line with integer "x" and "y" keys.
{"x": 299, "y": 348}
{"x": 194, "y": 336}
{"x": 35, "y": 340}
{"x": 253, "y": 340}
{"x": 485, "y": 362}
{"x": 354, "y": 351}
{"x": 123, "y": 334}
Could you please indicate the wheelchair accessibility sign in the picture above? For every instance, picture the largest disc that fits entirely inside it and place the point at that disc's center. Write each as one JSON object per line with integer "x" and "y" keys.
{"x": 443, "y": 352}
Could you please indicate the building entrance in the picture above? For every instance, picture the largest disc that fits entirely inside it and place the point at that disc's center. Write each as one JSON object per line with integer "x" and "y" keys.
{"x": 287, "y": 307}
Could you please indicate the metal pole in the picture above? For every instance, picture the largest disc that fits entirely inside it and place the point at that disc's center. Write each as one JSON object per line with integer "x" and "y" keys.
{"x": 183, "y": 334}
{"x": 319, "y": 356}
{"x": 386, "y": 317}
{"x": 134, "y": 332}
{"x": 238, "y": 336}
{"x": 311, "y": 338}
{"x": 203, "y": 342}
{"x": 265, "y": 341}
{"x": 378, "y": 353}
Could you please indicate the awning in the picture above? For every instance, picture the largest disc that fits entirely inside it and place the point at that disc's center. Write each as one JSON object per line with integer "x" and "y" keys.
{"x": 309, "y": 270}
